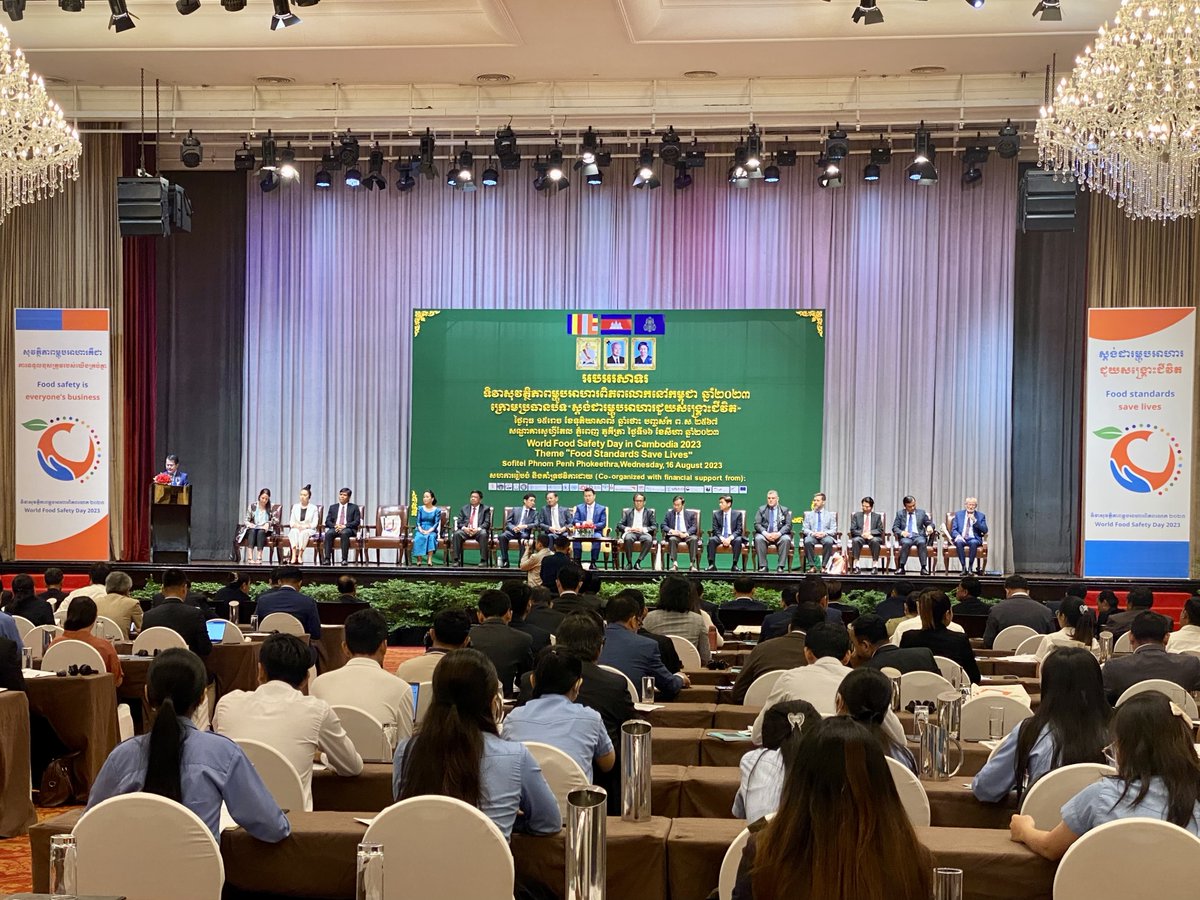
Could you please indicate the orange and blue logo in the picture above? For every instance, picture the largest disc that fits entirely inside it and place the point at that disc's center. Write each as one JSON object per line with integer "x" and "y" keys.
{"x": 53, "y": 461}
{"x": 1144, "y": 440}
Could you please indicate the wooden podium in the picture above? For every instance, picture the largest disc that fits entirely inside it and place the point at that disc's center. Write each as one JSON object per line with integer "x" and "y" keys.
{"x": 170, "y": 524}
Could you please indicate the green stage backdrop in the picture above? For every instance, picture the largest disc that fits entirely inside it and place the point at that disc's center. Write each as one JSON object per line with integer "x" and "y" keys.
{"x": 509, "y": 401}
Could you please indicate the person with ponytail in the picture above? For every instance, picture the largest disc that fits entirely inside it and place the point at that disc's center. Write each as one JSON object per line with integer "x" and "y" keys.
{"x": 302, "y": 525}
{"x": 1077, "y": 626}
{"x": 762, "y": 770}
{"x": 457, "y": 752}
{"x": 199, "y": 769}
{"x": 25, "y": 603}
{"x": 865, "y": 695}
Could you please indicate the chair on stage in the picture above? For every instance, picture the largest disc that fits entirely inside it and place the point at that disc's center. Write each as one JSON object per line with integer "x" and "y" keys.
{"x": 64, "y": 654}
{"x": 390, "y": 532}
{"x": 819, "y": 553}
{"x": 747, "y": 540}
{"x": 518, "y": 542}
{"x": 931, "y": 553}
{"x": 239, "y": 536}
{"x": 950, "y": 551}
{"x": 278, "y": 543}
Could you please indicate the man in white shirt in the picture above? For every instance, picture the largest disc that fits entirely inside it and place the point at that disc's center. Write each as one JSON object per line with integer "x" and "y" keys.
{"x": 280, "y": 716}
{"x": 1188, "y": 635}
{"x": 451, "y": 631}
{"x": 827, "y": 650}
{"x": 363, "y": 682}
{"x": 97, "y": 575}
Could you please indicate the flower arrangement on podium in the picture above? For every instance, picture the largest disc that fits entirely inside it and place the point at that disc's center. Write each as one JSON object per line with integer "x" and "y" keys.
{"x": 162, "y": 478}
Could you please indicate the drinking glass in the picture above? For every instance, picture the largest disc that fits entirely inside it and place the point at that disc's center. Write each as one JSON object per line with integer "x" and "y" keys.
{"x": 647, "y": 688}
{"x": 254, "y": 622}
{"x": 947, "y": 884}
{"x": 26, "y": 657}
{"x": 62, "y": 867}
{"x": 369, "y": 882}
{"x": 1106, "y": 646}
{"x": 995, "y": 722}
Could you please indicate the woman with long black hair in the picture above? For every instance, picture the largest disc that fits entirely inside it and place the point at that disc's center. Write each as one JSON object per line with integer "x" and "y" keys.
{"x": 865, "y": 695}
{"x": 1077, "y": 628}
{"x": 199, "y": 769}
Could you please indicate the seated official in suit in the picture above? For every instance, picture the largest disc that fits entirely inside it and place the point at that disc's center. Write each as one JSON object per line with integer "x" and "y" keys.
{"x": 554, "y": 519}
{"x": 967, "y": 529}
{"x": 873, "y": 648}
{"x": 552, "y": 715}
{"x": 820, "y": 527}
{"x": 911, "y": 528}
{"x": 590, "y": 517}
{"x": 634, "y": 655}
{"x": 968, "y": 596}
{"x": 510, "y": 651}
{"x": 1017, "y": 608}
{"x": 25, "y": 603}
{"x": 569, "y": 599}
{"x": 287, "y": 599}
{"x": 519, "y": 525}
{"x": 1149, "y": 635}
{"x": 681, "y": 525}
{"x": 519, "y": 598}
{"x": 458, "y": 752}
{"x": 776, "y": 624}
{"x": 173, "y": 613}
{"x": 866, "y": 530}
{"x": 474, "y": 524}
{"x": 666, "y": 649}
{"x": 451, "y": 631}
{"x": 728, "y": 531}
{"x": 637, "y": 529}
{"x": 342, "y": 522}
{"x": 935, "y": 634}
{"x": 202, "y": 770}
{"x": 279, "y": 714}
{"x": 773, "y": 528}
{"x": 743, "y": 598}
{"x": 81, "y": 619}
{"x": 363, "y": 682}
{"x": 781, "y": 653}
{"x": 1140, "y": 599}
{"x": 118, "y": 605}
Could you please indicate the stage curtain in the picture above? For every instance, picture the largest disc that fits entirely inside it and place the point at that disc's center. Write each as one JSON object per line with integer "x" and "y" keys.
{"x": 917, "y": 283}
{"x": 64, "y": 252}
{"x": 1137, "y": 263}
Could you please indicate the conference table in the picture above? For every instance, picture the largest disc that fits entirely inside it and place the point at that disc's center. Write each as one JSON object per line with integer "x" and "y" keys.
{"x": 16, "y": 806}
{"x": 82, "y": 710}
{"x": 234, "y": 667}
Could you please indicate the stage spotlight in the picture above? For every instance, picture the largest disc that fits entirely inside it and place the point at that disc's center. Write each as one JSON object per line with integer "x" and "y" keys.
{"x": 587, "y": 151}
{"x": 243, "y": 160}
{"x": 1008, "y": 144}
{"x": 771, "y": 174}
{"x": 871, "y": 172}
{"x": 287, "y": 163}
{"x": 922, "y": 169}
{"x": 971, "y": 174}
{"x": 375, "y": 180}
{"x": 490, "y": 177}
{"x": 670, "y": 151}
{"x": 425, "y": 158}
{"x": 268, "y": 182}
{"x": 867, "y": 13}
{"x": 975, "y": 4}
{"x": 306, "y": 2}
{"x": 70, "y": 5}
{"x": 505, "y": 145}
{"x": 187, "y": 7}
{"x": 831, "y": 173}
{"x": 683, "y": 178}
{"x": 596, "y": 179}
{"x": 190, "y": 151}
{"x": 539, "y": 175}
{"x": 15, "y": 9}
{"x": 269, "y": 163}
{"x": 120, "y": 19}
{"x": 348, "y": 151}
{"x": 233, "y": 5}
{"x": 738, "y": 176}
{"x": 1049, "y": 10}
{"x": 322, "y": 179}
{"x": 554, "y": 168}
{"x": 464, "y": 174}
{"x": 283, "y": 16}
{"x": 405, "y": 182}
{"x": 975, "y": 154}
{"x": 837, "y": 144}
{"x": 695, "y": 156}
{"x": 645, "y": 179}
{"x": 753, "y": 149}
{"x": 353, "y": 178}
{"x": 785, "y": 155}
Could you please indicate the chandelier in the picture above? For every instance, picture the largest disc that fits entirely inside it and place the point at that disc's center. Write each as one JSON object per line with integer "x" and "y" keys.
{"x": 39, "y": 150}
{"x": 1126, "y": 123}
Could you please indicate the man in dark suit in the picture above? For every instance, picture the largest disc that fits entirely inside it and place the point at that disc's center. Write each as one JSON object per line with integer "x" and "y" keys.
{"x": 474, "y": 524}
{"x": 634, "y": 655}
{"x": 510, "y": 651}
{"x": 681, "y": 525}
{"x": 967, "y": 594}
{"x": 772, "y": 528}
{"x": 519, "y": 595}
{"x": 666, "y": 648}
{"x": 1138, "y": 600}
{"x": 616, "y": 353}
{"x": 11, "y": 678}
{"x": 637, "y": 528}
{"x": 589, "y": 517}
{"x": 1148, "y": 634}
{"x": 519, "y": 526}
{"x": 911, "y": 528}
{"x": 785, "y": 652}
{"x": 866, "y": 529}
{"x": 1017, "y": 608}
{"x": 778, "y": 623}
{"x": 727, "y": 532}
{"x": 892, "y": 606}
{"x": 174, "y": 614}
{"x": 53, "y": 592}
{"x": 554, "y": 519}
{"x": 175, "y": 476}
{"x": 555, "y": 563}
{"x": 194, "y": 599}
{"x": 743, "y": 596}
{"x": 871, "y": 648}
{"x": 286, "y": 598}
{"x": 342, "y": 521}
{"x": 542, "y": 612}
{"x": 569, "y": 599}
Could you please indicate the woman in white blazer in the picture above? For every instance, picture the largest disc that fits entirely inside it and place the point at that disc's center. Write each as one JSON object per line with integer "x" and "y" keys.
{"x": 302, "y": 525}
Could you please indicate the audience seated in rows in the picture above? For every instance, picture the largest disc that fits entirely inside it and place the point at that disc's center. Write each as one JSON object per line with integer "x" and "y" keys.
{"x": 451, "y": 631}
{"x": 175, "y": 760}
{"x": 674, "y": 615}
{"x": 935, "y": 634}
{"x": 865, "y": 695}
{"x": 1158, "y": 777}
{"x": 1188, "y": 635}
{"x": 1077, "y": 628}
{"x": 118, "y": 603}
{"x": 743, "y": 598}
{"x": 95, "y": 589}
{"x": 552, "y": 715}
{"x": 173, "y": 613}
{"x": 1148, "y": 636}
{"x": 81, "y": 618}
{"x": 555, "y": 562}
{"x": 510, "y": 650}
{"x": 287, "y": 598}
{"x": 1139, "y": 600}
{"x": 1017, "y": 608}
{"x": 892, "y": 606}
{"x": 569, "y": 600}
{"x": 363, "y": 682}
{"x": 458, "y": 752}
{"x": 53, "y": 594}
{"x": 234, "y": 591}
{"x": 762, "y": 770}
{"x": 968, "y": 594}
{"x": 279, "y": 715}
{"x": 915, "y": 623}
{"x": 823, "y": 844}
{"x": 1107, "y": 606}
{"x": 910, "y": 614}
{"x": 634, "y": 655}
{"x": 873, "y": 648}
{"x": 22, "y": 601}
{"x": 1069, "y": 726}
{"x": 520, "y": 595}
{"x": 786, "y": 652}
{"x": 776, "y": 624}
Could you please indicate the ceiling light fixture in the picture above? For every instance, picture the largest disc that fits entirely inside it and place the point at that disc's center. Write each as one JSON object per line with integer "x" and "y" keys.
{"x": 375, "y": 180}
{"x": 268, "y": 182}
{"x": 348, "y": 151}
{"x": 683, "y": 178}
{"x": 670, "y": 151}
{"x": 505, "y": 145}
{"x": 490, "y": 177}
{"x": 464, "y": 171}
{"x": 753, "y": 149}
{"x": 837, "y": 144}
{"x": 268, "y": 153}
{"x": 554, "y": 168}
{"x": 191, "y": 153}
{"x": 187, "y": 7}
{"x": 881, "y": 155}
{"x": 922, "y": 170}
{"x": 1049, "y": 10}
{"x": 353, "y": 178}
{"x": 283, "y": 16}
{"x": 867, "y": 13}
{"x": 425, "y": 165}
{"x": 15, "y": 9}
{"x": 322, "y": 179}
{"x": 243, "y": 159}
{"x": 830, "y": 175}
{"x": 406, "y": 182}
{"x": 120, "y": 20}
{"x": 771, "y": 173}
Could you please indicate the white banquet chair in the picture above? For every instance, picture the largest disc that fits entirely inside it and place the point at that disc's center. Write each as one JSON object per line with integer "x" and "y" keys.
{"x": 1012, "y": 637}
{"x": 688, "y": 654}
{"x": 912, "y": 793}
{"x": 761, "y": 688}
{"x": 279, "y": 775}
{"x": 1100, "y": 864}
{"x": 65, "y": 654}
{"x": 366, "y": 733}
{"x": 1046, "y": 798}
{"x": 159, "y": 638}
{"x": 285, "y": 623}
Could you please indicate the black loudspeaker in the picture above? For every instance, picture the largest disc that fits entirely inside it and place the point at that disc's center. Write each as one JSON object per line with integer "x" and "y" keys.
{"x": 151, "y": 205}
{"x": 1046, "y": 203}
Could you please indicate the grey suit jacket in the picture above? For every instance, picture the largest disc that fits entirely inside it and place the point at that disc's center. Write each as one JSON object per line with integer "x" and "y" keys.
{"x": 783, "y": 520}
{"x": 874, "y": 527}
{"x": 828, "y": 522}
{"x": 1019, "y": 609}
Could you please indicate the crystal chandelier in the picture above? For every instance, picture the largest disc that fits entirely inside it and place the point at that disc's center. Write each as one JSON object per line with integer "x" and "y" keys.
{"x": 1127, "y": 122}
{"x": 39, "y": 150}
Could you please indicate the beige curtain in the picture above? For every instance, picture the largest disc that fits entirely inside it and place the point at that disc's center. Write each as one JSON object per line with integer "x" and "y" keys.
{"x": 1135, "y": 263}
{"x": 64, "y": 252}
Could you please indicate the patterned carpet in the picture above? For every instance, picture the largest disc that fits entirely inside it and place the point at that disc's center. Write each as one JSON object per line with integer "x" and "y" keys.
{"x": 15, "y": 874}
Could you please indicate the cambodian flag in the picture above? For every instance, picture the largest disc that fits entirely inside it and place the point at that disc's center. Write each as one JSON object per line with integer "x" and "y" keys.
{"x": 616, "y": 324}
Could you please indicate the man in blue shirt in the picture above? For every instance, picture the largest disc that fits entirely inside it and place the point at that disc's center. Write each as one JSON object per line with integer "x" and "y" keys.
{"x": 632, "y": 654}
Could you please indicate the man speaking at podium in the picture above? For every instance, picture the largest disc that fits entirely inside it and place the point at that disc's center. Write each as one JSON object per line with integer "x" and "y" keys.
{"x": 178, "y": 478}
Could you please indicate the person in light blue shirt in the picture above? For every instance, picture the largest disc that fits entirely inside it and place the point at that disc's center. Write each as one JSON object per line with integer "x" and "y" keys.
{"x": 458, "y": 752}
{"x": 1069, "y": 726}
{"x": 8, "y": 629}
{"x": 1158, "y": 777}
{"x": 198, "y": 769}
{"x": 762, "y": 771}
{"x": 553, "y": 717}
